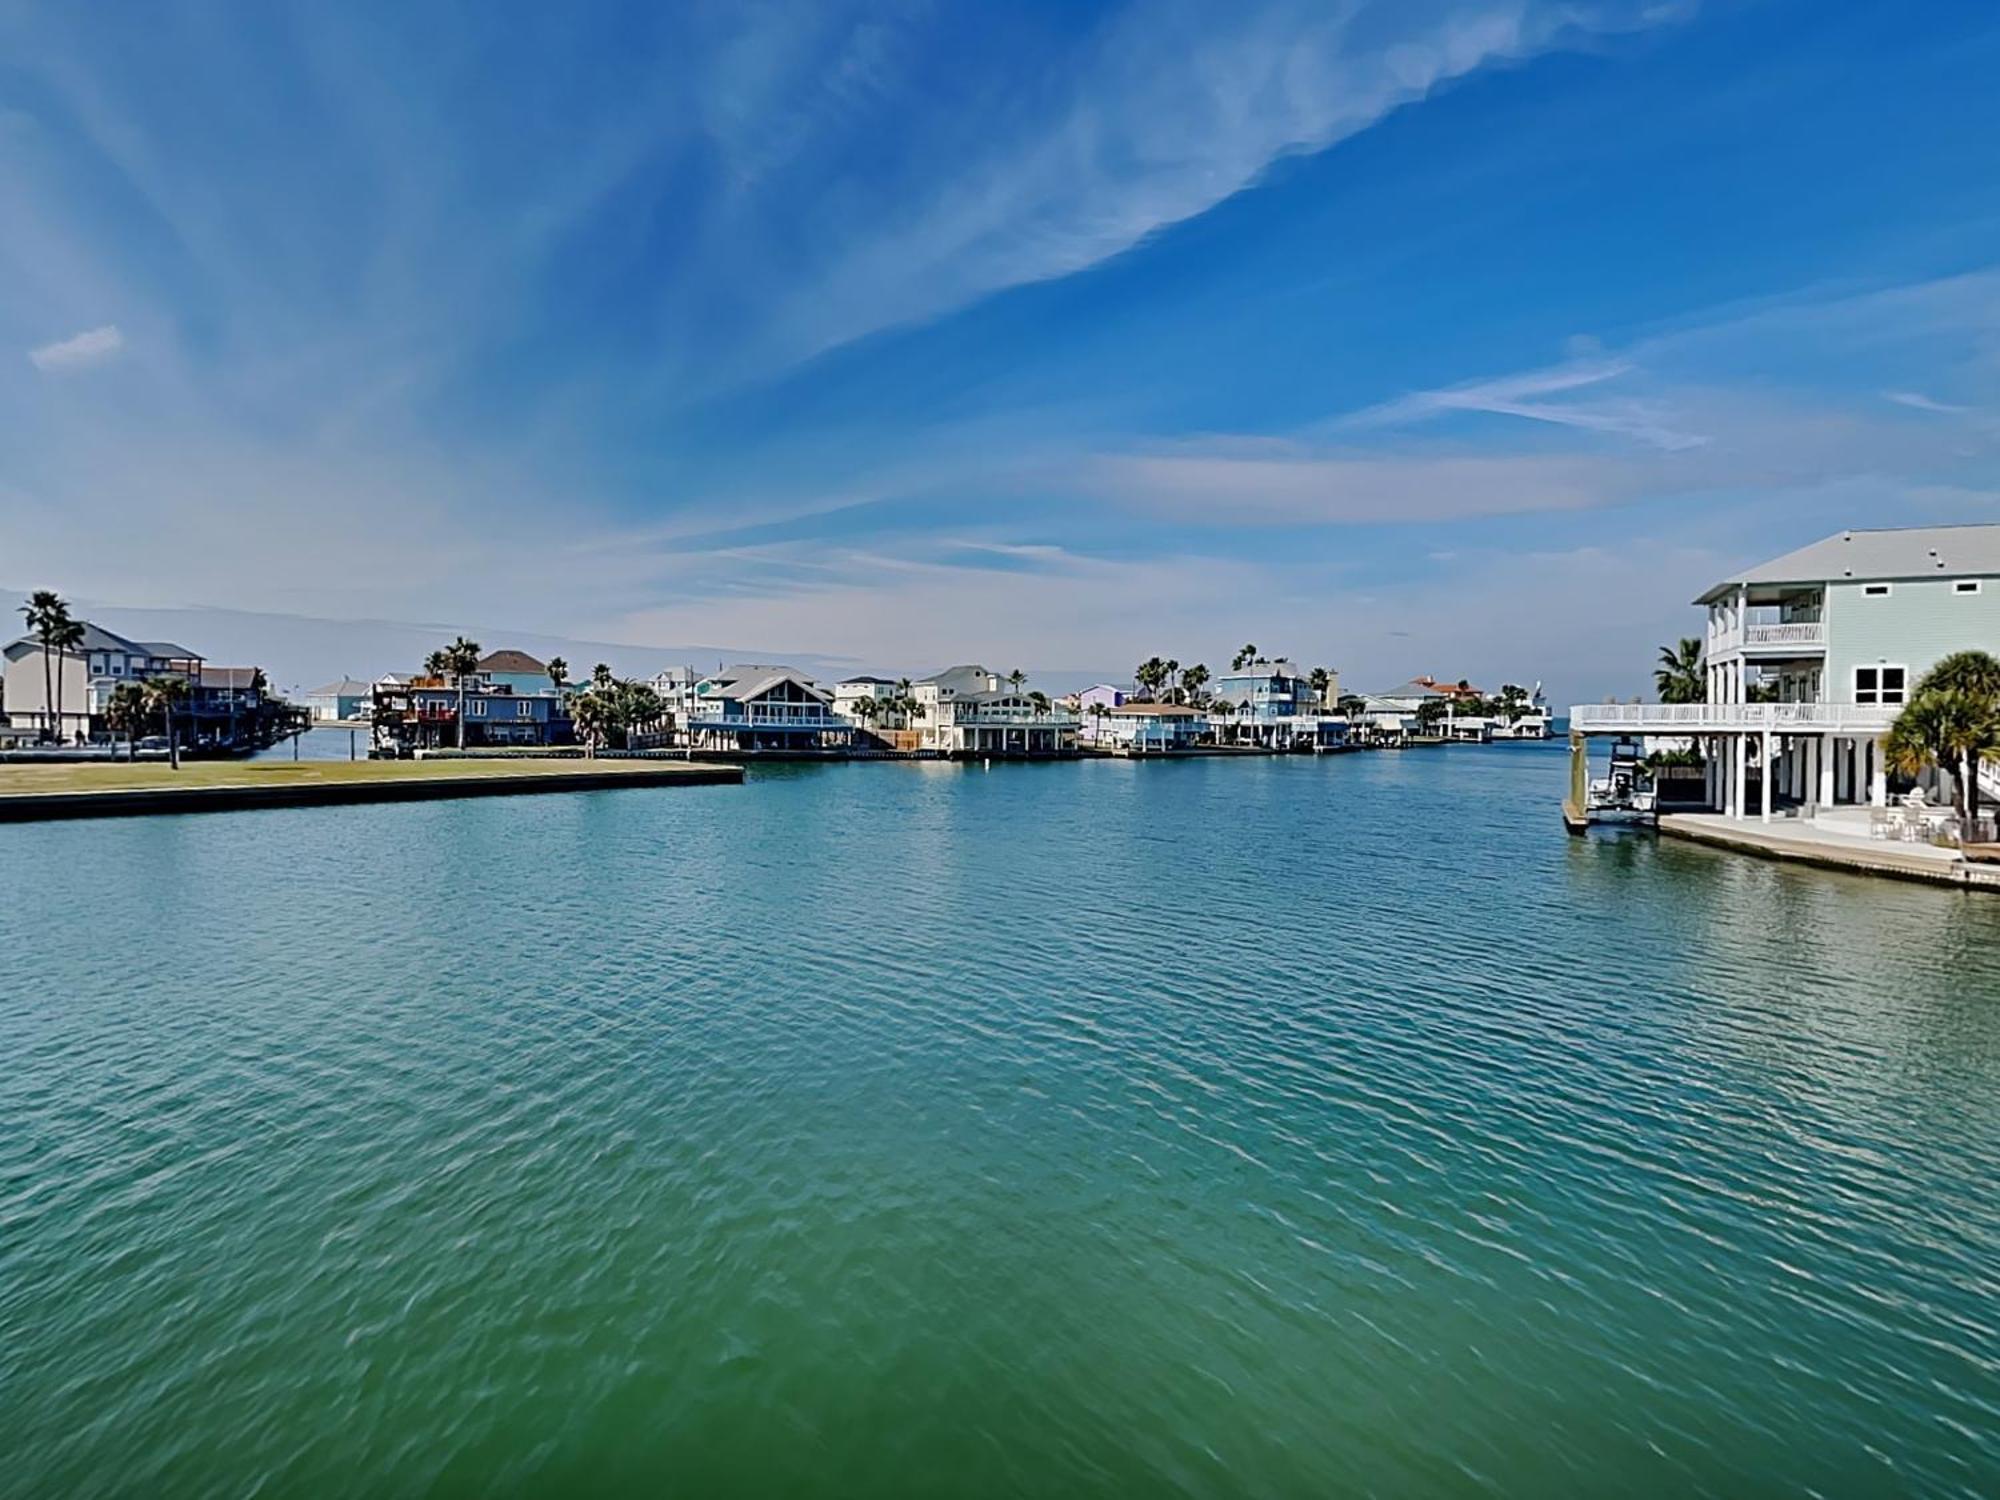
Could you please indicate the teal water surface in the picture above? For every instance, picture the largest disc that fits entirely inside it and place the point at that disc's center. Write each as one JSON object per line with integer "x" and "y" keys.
{"x": 1274, "y": 1128}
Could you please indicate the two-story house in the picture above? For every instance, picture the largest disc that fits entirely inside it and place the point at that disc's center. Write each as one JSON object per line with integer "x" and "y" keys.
{"x": 62, "y": 694}
{"x": 753, "y": 708}
{"x": 1274, "y": 704}
{"x": 1809, "y": 657}
{"x": 968, "y": 710}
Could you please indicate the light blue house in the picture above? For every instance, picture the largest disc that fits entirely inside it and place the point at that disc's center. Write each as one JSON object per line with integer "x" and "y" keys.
{"x": 1275, "y": 705}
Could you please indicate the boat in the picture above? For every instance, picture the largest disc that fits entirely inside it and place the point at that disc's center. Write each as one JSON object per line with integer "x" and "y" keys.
{"x": 1626, "y": 791}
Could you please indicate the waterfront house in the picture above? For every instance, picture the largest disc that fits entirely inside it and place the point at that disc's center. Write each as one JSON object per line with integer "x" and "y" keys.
{"x": 1094, "y": 703}
{"x": 1835, "y": 636}
{"x": 850, "y": 693}
{"x": 421, "y": 713}
{"x": 754, "y": 708}
{"x": 969, "y": 710}
{"x": 225, "y": 709}
{"x": 1275, "y": 705}
{"x": 515, "y": 672}
{"x": 1149, "y": 728}
{"x": 343, "y": 699}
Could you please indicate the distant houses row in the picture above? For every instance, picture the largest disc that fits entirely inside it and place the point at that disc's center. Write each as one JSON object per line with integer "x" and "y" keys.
{"x": 510, "y": 699}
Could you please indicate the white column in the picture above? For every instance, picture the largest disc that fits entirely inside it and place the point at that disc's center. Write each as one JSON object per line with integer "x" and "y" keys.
{"x": 1823, "y": 756}
{"x": 1739, "y": 757}
{"x": 1765, "y": 777}
{"x": 1878, "y": 777}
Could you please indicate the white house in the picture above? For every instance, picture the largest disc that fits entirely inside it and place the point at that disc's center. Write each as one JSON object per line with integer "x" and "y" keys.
{"x": 1148, "y": 728}
{"x": 1842, "y": 629}
{"x": 752, "y": 708}
{"x": 968, "y": 710}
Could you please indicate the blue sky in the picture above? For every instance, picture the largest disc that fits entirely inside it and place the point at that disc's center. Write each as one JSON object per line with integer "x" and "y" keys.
{"x": 1471, "y": 337}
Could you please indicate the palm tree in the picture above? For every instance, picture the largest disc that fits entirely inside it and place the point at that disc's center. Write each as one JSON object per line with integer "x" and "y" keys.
{"x": 1977, "y": 673}
{"x": 66, "y": 636}
{"x": 163, "y": 696}
{"x": 1320, "y": 680}
{"x": 1040, "y": 700}
{"x": 1151, "y": 674}
{"x": 460, "y": 660}
{"x": 1173, "y": 675}
{"x": 128, "y": 711}
{"x": 1193, "y": 680}
{"x": 1242, "y": 658}
{"x": 1678, "y": 676}
{"x": 1949, "y": 727}
{"x": 558, "y": 674}
{"x": 1015, "y": 678}
{"x": 44, "y": 611}
{"x": 600, "y": 676}
{"x": 594, "y": 718}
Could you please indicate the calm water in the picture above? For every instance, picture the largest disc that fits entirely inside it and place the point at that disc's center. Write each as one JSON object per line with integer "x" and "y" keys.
{"x": 1273, "y": 1128}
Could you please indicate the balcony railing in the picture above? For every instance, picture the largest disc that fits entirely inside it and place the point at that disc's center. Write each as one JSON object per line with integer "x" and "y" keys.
{"x": 1787, "y": 633}
{"x": 1701, "y": 718}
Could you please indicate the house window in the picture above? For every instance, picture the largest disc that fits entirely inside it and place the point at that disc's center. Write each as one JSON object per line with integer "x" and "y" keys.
{"x": 1875, "y": 590}
{"x": 524, "y": 710}
{"x": 1965, "y": 586}
{"x": 1879, "y": 685}
{"x": 476, "y": 709}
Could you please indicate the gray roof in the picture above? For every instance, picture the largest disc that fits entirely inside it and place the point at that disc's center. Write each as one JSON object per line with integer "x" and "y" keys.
{"x": 97, "y": 638}
{"x": 347, "y": 687}
{"x": 1906, "y": 552}
{"x": 748, "y": 680}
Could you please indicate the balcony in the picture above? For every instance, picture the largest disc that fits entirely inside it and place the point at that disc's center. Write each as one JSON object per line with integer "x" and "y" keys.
{"x": 1785, "y": 634}
{"x": 1710, "y": 718}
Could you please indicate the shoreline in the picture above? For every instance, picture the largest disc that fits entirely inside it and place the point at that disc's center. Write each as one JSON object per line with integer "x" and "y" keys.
{"x": 239, "y": 786}
{"x": 1886, "y": 862}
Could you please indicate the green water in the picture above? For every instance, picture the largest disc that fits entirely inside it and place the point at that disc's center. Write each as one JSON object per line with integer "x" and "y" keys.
{"x": 1273, "y": 1128}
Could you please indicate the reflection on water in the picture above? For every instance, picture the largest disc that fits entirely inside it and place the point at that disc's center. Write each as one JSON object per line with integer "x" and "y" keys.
{"x": 1285, "y": 1127}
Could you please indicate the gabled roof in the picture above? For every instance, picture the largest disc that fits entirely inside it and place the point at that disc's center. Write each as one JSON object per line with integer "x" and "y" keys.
{"x": 1900, "y": 552}
{"x": 347, "y": 687}
{"x": 1154, "y": 711}
{"x": 97, "y": 638}
{"x": 170, "y": 650}
{"x": 959, "y": 678}
{"x": 748, "y": 680}
{"x": 866, "y": 681}
{"x": 509, "y": 660}
{"x": 235, "y": 678}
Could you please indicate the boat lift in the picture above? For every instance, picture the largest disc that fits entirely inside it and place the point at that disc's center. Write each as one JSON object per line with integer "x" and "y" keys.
{"x": 1626, "y": 793}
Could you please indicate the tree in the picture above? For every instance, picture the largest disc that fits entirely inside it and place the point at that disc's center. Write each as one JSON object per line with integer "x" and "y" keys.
{"x": 434, "y": 664}
{"x": 1224, "y": 709}
{"x": 558, "y": 674}
{"x": 1678, "y": 676}
{"x": 1193, "y": 680}
{"x": 1242, "y": 658}
{"x": 1041, "y": 702}
{"x": 1173, "y": 673}
{"x": 1978, "y": 674}
{"x": 600, "y": 676}
{"x": 1429, "y": 711}
{"x": 127, "y": 712}
{"x": 461, "y": 660}
{"x": 67, "y": 636}
{"x": 1015, "y": 678}
{"x": 1950, "y": 727}
{"x": 1320, "y": 680}
{"x": 1151, "y": 675}
{"x": 44, "y": 612}
{"x": 594, "y": 718}
{"x": 164, "y": 696}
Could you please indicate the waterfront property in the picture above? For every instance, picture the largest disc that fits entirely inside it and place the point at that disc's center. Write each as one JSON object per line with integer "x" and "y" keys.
{"x": 64, "y": 693}
{"x": 1807, "y": 661}
{"x": 1273, "y": 705}
{"x": 753, "y": 708}
{"x": 342, "y": 700}
{"x": 421, "y": 712}
{"x": 1148, "y": 728}
{"x": 969, "y": 710}
{"x": 508, "y": 670}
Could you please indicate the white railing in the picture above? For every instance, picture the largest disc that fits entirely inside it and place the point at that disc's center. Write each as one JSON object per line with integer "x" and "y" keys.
{"x": 1699, "y": 718}
{"x": 1788, "y": 634}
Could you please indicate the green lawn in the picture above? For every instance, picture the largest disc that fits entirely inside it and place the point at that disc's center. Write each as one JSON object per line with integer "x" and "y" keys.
{"x": 26, "y": 780}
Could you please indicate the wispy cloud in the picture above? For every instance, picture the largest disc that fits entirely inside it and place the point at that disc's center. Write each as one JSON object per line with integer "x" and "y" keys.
{"x": 91, "y": 347}
{"x": 1920, "y": 402}
{"x": 1524, "y": 396}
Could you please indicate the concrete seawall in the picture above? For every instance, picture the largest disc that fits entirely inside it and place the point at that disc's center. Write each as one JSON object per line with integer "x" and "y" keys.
{"x": 259, "y": 787}
{"x": 1856, "y": 857}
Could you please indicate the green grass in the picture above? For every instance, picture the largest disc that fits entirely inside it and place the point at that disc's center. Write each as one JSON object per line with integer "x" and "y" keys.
{"x": 30, "y": 780}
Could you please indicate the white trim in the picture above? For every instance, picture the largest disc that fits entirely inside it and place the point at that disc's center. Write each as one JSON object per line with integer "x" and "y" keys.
{"x": 1879, "y": 694}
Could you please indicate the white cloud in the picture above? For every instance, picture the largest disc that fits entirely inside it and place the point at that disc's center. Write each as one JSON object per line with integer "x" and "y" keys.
{"x": 1921, "y": 402}
{"x": 1649, "y": 422}
{"x": 91, "y": 347}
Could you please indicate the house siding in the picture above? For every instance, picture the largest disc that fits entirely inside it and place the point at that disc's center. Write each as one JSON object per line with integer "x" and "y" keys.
{"x": 1920, "y": 621}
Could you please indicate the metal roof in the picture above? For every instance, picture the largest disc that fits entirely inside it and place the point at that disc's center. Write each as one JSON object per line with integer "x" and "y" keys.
{"x": 1904, "y": 552}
